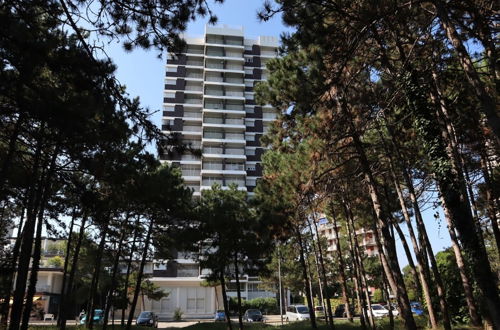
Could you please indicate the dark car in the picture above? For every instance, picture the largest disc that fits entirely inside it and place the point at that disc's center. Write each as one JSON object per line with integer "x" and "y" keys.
{"x": 253, "y": 315}
{"x": 220, "y": 316}
{"x": 341, "y": 312}
{"x": 147, "y": 319}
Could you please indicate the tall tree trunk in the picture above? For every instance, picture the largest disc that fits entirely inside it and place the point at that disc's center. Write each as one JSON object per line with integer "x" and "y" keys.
{"x": 140, "y": 274}
{"x": 466, "y": 282}
{"x": 9, "y": 273}
{"x": 89, "y": 322}
{"x": 359, "y": 261}
{"x": 329, "y": 314}
{"x": 10, "y": 154}
{"x": 423, "y": 267}
{"x": 74, "y": 265}
{"x": 224, "y": 298}
{"x": 341, "y": 263}
{"x": 238, "y": 289}
{"x": 127, "y": 276}
{"x": 27, "y": 240}
{"x": 409, "y": 257}
{"x": 484, "y": 96}
{"x": 389, "y": 262}
{"x": 65, "y": 269}
{"x": 359, "y": 287}
{"x": 109, "y": 298}
{"x": 306, "y": 279}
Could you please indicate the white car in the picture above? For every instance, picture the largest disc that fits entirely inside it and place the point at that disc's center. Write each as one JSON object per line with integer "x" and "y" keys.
{"x": 381, "y": 311}
{"x": 297, "y": 313}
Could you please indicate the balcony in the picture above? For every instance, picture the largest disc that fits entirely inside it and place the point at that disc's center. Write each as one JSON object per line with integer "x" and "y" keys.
{"x": 194, "y": 63}
{"x": 193, "y": 101}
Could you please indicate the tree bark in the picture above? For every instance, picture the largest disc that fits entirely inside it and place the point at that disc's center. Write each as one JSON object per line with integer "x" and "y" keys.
{"x": 343, "y": 280}
{"x": 224, "y": 298}
{"x": 139, "y": 275}
{"x": 306, "y": 279}
{"x": 65, "y": 269}
{"x": 238, "y": 289}
{"x": 74, "y": 266}
{"x": 127, "y": 276}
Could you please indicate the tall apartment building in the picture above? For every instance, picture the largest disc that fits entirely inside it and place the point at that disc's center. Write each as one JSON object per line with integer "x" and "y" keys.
{"x": 209, "y": 99}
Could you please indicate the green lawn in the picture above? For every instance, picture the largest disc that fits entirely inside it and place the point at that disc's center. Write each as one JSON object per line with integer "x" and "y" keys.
{"x": 339, "y": 325}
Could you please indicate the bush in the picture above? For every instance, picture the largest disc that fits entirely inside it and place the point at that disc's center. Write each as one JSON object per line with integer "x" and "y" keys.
{"x": 178, "y": 314}
{"x": 56, "y": 262}
{"x": 265, "y": 305}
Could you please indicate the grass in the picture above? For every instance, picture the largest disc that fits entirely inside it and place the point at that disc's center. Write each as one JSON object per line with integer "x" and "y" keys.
{"x": 339, "y": 325}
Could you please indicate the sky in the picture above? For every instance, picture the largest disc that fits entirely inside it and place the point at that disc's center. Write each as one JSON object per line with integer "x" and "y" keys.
{"x": 143, "y": 74}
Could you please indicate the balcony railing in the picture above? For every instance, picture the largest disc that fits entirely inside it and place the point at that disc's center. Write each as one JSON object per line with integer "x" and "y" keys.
{"x": 210, "y": 182}
{"x": 194, "y": 63}
{"x": 190, "y": 172}
{"x": 192, "y": 101}
{"x": 268, "y": 53}
{"x": 192, "y": 114}
{"x": 233, "y": 136}
{"x": 267, "y": 115}
{"x": 214, "y": 65}
{"x": 217, "y": 106}
{"x": 212, "y": 166}
{"x": 192, "y": 128}
{"x": 240, "y": 183}
{"x": 234, "y": 80}
{"x": 194, "y": 50}
{"x": 214, "y": 92}
{"x": 194, "y": 75}
{"x": 212, "y": 150}
{"x": 195, "y": 188}
{"x": 188, "y": 272}
{"x": 234, "y": 67}
{"x": 215, "y": 79}
{"x": 233, "y": 54}
{"x": 212, "y": 120}
{"x": 234, "y": 93}
{"x": 235, "y": 167}
{"x": 194, "y": 88}
{"x": 214, "y": 53}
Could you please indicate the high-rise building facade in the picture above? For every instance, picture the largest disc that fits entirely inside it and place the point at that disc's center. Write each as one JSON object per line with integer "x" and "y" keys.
{"x": 209, "y": 100}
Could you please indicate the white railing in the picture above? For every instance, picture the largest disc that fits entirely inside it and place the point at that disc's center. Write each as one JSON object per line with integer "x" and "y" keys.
{"x": 212, "y": 135}
{"x": 214, "y": 65}
{"x": 233, "y": 54}
{"x": 212, "y": 166}
{"x": 235, "y": 121}
{"x": 235, "y": 167}
{"x": 232, "y": 93}
{"x": 190, "y": 172}
{"x": 212, "y": 150}
{"x": 235, "y": 151}
{"x": 214, "y": 92}
{"x": 234, "y": 67}
{"x": 192, "y": 101}
{"x": 233, "y": 136}
{"x": 216, "y": 79}
{"x": 194, "y": 88}
{"x": 234, "y": 80}
{"x": 212, "y": 120}
{"x": 194, "y": 75}
{"x": 192, "y": 128}
{"x": 192, "y": 114}
{"x": 195, "y": 63}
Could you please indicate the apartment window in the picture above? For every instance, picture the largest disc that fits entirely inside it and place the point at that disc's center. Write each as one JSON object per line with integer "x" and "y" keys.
{"x": 251, "y": 182}
{"x": 249, "y": 109}
{"x": 171, "y": 81}
{"x": 171, "y": 69}
{"x": 250, "y": 151}
{"x": 248, "y": 70}
{"x": 169, "y": 108}
{"x": 195, "y": 300}
{"x": 250, "y": 167}
{"x": 170, "y": 95}
{"x": 250, "y": 123}
{"x": 250, "y": 137}
{"x": 248, "y": 59}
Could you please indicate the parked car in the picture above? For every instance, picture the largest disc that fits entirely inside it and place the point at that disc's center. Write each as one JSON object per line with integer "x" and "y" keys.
{"x": 147, "y": 319}
{"x": 220, "y": 316}
{"x": 253, "y": 315}
{"x": 340, "y": 311}
{"x": 319, "y": 312}
{"x": 416, "y": 308}
{"x": 98, "y": 317}
{"x": 381, "y": 311}
{"x": 297, "y": 313}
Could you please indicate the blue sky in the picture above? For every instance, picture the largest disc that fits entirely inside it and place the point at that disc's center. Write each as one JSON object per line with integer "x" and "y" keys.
{"x": 143, "y": 74}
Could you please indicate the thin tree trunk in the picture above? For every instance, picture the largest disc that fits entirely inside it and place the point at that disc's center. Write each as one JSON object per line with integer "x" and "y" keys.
{"x": 71, "y": 279}
{"x": 484, "y": 96}
{"x": 341, "y": 263}
{"x": 109, "y": 298}
{"x": 238, "y": 289}
{"x": 27, "y": 241}
{"x": 325, "y": 282}
{"x": 306, "y": 279}
{"x": 466, "y": 282}
{"x": 95, "y": 277}
{"x": 389, "y": 262}
{"x": 127, "y": 276}
{"x": 224, "y": 298}
{"x": 139, "y": 275}
{"x": 65, "y": 270}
